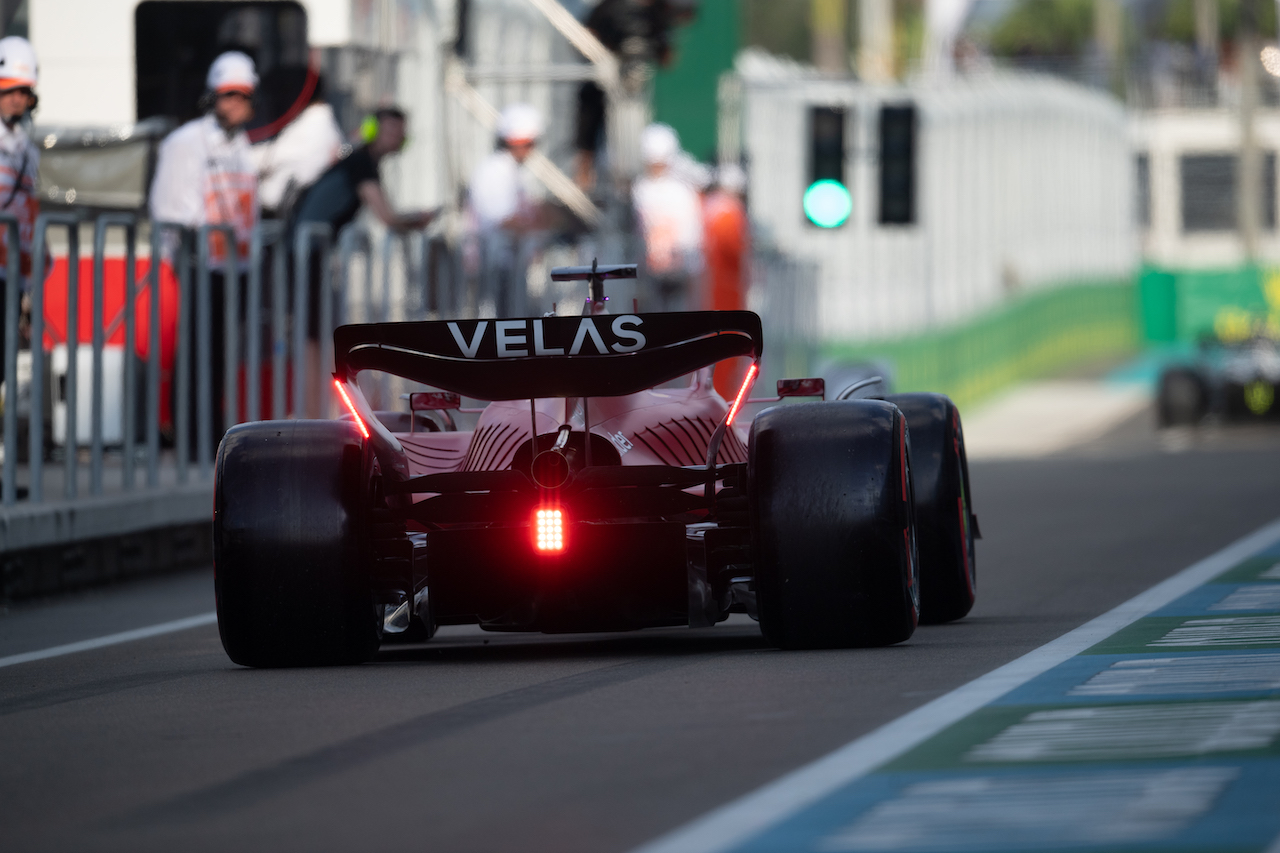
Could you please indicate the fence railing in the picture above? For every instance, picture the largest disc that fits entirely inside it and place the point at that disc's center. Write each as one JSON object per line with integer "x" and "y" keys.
{"x": 134, "y": 366}
{"x": 155, "y": 360}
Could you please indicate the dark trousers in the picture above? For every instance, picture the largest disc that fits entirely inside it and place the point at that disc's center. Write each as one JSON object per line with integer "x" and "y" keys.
{"x": 591, "y": 117}
{"x": 219, "y": 417}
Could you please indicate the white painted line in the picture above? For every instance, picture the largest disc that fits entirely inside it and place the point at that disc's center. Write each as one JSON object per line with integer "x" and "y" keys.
{"x": 112, "y": 639}
{"x": 736, "y": 822}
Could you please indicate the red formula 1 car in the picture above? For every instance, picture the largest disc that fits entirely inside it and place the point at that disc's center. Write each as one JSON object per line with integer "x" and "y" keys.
{"x": 589, "y": 497}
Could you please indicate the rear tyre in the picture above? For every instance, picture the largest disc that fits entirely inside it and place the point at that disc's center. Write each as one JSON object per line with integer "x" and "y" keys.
{"x": 290, "y": 505}
{"x": 834, "y": 527}
{"x": 1183, "y": 397}
{"x": 944, "y": 509}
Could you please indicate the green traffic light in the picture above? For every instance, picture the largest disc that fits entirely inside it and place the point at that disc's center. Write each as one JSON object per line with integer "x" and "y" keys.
{"x": 827, "y": 203}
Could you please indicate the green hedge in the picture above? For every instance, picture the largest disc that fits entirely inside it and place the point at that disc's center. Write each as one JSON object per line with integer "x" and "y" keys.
{"x": 1034, "y": 335}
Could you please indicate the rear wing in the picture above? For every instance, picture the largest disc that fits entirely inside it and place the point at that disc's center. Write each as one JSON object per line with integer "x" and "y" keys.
{"x": 597, "y": 356}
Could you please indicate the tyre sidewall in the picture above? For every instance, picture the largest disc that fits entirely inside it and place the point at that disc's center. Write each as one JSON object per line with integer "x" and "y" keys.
{"x": 943, "y": 506}
{"x": 292, "y": 587}
{"x": 832, "y": 525}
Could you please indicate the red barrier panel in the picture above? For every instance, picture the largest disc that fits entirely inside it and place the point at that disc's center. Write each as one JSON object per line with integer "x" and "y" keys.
{"x": 55, "y": 305}
{"x": 113, "y": 269}
{"x": 55, "y": 320}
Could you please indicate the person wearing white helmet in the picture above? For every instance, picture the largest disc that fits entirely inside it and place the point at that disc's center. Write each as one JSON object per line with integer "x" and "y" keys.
{"x": 500, "y": 189}
{"x": 506, "y": 208}
{"x": 205, "y": 175}
{"x": 670, "y": 216}
{"x": 19, "y": 162}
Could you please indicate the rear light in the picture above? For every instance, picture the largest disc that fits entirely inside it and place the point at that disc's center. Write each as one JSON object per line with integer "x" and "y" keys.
{"x": 548, "y": 531}
{"x": 351, "y": 407}
{"x": 747, "y": 382}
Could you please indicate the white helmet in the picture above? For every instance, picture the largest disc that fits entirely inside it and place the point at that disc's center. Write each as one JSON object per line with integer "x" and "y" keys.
{"x": 659, "y": 144}
{"x": 731, "y": 177}
{"x": 520, "y": 123}
{"x": 233, "y": 71}
{"x": 17, "y": 63}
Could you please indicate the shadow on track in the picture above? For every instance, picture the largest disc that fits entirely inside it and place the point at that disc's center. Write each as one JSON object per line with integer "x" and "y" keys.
{"x": 622, "y": 658}
{"x": 503, "y": 647}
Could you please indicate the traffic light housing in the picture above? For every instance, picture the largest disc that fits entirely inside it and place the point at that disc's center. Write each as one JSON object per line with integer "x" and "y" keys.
{"x": 827, "y": 202}
{"x": 898, "y": 164}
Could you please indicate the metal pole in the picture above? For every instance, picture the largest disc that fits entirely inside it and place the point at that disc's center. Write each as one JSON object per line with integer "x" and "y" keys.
{"x": 182, "y": 364}
{"x": 327, "y": 325}
{"x": 308, "y": 234}
{"x": 153, "y": 343}
{"x": 130, "y": 420}
{"x": 348, "y": 239}
{"x": 264, "y": 234}
{"x": 301, "y": 276}
{"x": 95, "y": 388}
{"x": 279, "y": 332}
{"x": 384, "y": 311}
{"x": 430, "y": 276}
{"x": 231, "y": 337}
{"x": 204, "y": 337}
{"x": 204, "y": 369}
{"x": 384, "y": 302}
{"x": 35, "y": 449}
{"x": 72, "y": 399}
{"x": 12, "y": 303}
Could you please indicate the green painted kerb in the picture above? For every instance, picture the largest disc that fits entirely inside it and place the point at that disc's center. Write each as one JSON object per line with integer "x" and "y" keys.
{"x": 1035, "y": 335}
{"x": 684, "y": 94}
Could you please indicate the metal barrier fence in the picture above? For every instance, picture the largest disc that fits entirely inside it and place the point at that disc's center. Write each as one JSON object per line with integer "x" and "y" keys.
{"x": 176, "y": 352}
{"x": 151, "y": 387}
{"x": 784, "y": 292}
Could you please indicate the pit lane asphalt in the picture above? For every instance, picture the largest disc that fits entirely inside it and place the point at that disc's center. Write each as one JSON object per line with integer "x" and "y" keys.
{"x": 492, "y": 742}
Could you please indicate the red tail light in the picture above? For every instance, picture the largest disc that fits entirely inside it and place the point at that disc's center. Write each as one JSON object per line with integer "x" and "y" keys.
{"x": 351, "y": 407}
{"x": 548, "y": 531}
{"x": 747, "y": 382}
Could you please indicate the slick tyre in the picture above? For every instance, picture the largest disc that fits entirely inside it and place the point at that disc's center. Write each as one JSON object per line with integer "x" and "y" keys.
{"x": 1182, "y": 398}
{"x": 945, "y": 527}
{"x": 833, "y": 525}
{"x": 289, "y": 554}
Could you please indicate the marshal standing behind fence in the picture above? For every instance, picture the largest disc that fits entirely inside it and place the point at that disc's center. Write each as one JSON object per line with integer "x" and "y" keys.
{"x": 670, "y": 216}
{"x": 205, "y": 175}
{"x": 19, "y": 160}
{"x": 335, "y": 199}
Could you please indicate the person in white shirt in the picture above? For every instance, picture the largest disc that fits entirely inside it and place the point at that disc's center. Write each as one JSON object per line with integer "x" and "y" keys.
{"x": 19, "y": 164}
{"x": 507, "y": 210}
{"x": 205, "y": 175}
{"x": 669, "y": 211}
{"x": 299, "y": 154}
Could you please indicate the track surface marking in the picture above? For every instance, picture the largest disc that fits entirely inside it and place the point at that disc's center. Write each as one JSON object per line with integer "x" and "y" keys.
{"x": 112, "y": 639}
{"x": 880, "y": 792}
